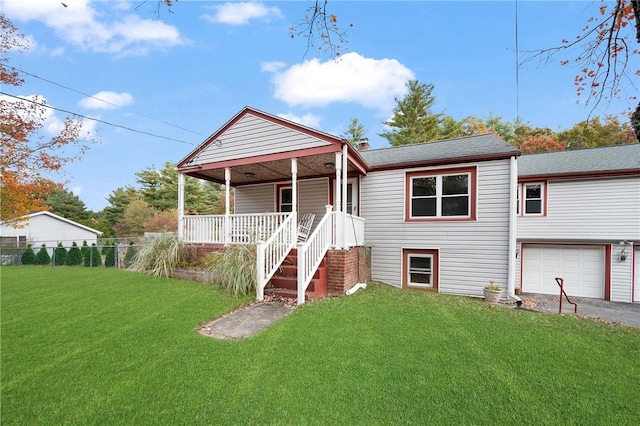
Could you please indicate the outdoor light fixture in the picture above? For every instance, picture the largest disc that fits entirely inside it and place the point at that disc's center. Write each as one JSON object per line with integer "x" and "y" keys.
{"x": 517, "y": 253}
{"x": 623, "y": 253}
{"x": 249, "y": 175}
{"x": 329, "y": 165}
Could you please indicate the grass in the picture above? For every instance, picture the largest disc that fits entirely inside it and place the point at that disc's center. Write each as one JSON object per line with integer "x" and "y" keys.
{"x": 102, "y": 346}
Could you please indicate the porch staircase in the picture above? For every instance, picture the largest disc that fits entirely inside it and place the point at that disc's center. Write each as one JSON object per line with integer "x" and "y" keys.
{"x": 284, "y": 282}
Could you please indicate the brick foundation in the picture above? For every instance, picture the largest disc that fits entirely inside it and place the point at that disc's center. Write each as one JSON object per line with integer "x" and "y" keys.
{"x": 347, "y": 268}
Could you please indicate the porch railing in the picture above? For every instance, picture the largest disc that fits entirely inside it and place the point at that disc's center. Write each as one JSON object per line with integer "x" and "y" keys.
{"x": 271, "y": 253}
{"x": 242, "y": 228}
{"x": 354, "y": 230}
{"x": 311, "y": 252}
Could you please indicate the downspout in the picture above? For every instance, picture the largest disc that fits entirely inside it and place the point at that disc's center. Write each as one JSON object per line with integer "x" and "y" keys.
{"x": 513, "y": 217}
{"x": 180, "y": 206}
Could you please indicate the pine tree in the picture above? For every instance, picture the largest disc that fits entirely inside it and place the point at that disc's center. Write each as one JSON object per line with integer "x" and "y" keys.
{"x": 129, "y": 255}
{"x": 85, "y": 249}
{"x": 93, "y": 258}
{"x": 355, "y": 132}
{"x": 43, "y": 258}
{"x": 28, "y": 257}
{"x": 110, "y": 256}
{"x": 413, "y": 121}
{"x": 74, "y": 257}
{"x": 59, "y": 255}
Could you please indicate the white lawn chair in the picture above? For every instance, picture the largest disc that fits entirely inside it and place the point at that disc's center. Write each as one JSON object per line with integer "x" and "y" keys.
{"x": 304, "y": 226}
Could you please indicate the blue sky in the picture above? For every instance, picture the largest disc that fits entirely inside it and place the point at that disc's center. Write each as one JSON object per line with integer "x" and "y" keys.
{"x": 184, "y": 74}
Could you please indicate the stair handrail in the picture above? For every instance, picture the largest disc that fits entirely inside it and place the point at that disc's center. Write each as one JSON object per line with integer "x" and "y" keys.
{"x": 312, "y": 251}
{"x": 560, "y": 282}
{"x": 271, "y": 253}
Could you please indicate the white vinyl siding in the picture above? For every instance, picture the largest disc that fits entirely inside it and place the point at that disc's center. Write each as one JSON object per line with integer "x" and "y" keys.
{"x": 313, "y": 196}
{"x": 588, "y": 210}
{"x": 581, "y": 268}
{"x": 470, "y": 252}
{"x": 621, "y": 274}
{"x": 252, "y": 136}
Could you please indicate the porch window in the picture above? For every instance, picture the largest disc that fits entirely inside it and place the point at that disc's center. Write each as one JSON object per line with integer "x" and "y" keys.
{"x": 442, "y": 194}
{"x": 420, "y": 269}
{"x": 286, "y": 199}
{"x": 533, "y": 198}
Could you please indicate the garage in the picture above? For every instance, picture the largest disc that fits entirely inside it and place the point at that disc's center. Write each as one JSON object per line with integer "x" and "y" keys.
{"x": 581, "y": 267}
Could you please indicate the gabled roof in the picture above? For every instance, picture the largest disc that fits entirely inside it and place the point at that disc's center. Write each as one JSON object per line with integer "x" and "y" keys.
{"x": 60, "y": 218}
{"x": 470, "y": 148}
{"x": 612, "y": 160}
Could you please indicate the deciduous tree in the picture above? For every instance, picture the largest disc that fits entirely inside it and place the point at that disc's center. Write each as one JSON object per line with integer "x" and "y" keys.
{"x": 26, "y": 155}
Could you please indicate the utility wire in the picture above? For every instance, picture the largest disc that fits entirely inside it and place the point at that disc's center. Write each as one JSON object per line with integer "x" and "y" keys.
{"x": 105, "y": 101}
{"x": 97, "y": 119}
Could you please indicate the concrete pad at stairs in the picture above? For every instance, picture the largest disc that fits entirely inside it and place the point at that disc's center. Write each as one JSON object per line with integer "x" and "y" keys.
{"x": 246, "y": 321}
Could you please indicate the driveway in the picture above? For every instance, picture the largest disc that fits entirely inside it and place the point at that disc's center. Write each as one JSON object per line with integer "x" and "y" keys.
{"x": 617, "y": 312}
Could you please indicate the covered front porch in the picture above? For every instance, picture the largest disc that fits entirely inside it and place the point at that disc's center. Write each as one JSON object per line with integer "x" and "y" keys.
{"x": 282, "y": 175}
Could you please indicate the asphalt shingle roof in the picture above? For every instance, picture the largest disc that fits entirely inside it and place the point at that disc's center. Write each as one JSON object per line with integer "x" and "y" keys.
{"x": 460, "y": 148}
{"x": 620, "y": 157}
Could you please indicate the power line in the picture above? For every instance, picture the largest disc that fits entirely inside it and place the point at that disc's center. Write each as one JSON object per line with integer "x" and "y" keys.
{"x": 105, "y": 101}
{"x": 97, "y": 119}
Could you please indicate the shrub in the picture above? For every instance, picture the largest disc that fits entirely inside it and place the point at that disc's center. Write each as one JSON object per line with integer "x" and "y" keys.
{"x": 74, "y": 257}
{"x": 85, "y": 249}
{"x": 129, "y": 255}
{"x": 43, "y": 258}
{"x": 92, "y": 257}
{"x": 110, "y": 256}
{"x": 159, "y": 256}
{"x": 28, "y": 257}
{"x": 59, "y": 255}
{"x": 235, "y": 268}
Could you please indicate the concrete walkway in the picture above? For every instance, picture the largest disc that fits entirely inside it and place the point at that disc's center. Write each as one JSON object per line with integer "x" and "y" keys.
{"x": 246, "y": 321}
{"x": 616, "y": 312}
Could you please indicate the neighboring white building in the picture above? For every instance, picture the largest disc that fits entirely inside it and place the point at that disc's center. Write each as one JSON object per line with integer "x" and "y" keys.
{"x": 579, "y": 219}
{"x": 47, "y": 228}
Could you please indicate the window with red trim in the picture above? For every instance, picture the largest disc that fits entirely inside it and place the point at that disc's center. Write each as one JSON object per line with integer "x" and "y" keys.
{"x": 445, "y": 194}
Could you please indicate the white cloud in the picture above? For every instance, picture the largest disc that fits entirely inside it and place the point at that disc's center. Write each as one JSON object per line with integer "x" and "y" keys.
{"x": 107, "y": 100}
{"x": 373, "y": 83}
{"x": 240, "y": 13}
{"x": 76, "y": 190}
{"x": 79, "y": 23}
{"x": 309, "y": 120}
{"x": 272, "y": 66}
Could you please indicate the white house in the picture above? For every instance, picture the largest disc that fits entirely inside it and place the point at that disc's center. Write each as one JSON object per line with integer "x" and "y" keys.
{"x": 47, "y": 228}
{"x": 579, "y": 219}
{"x": 437, "y": 216}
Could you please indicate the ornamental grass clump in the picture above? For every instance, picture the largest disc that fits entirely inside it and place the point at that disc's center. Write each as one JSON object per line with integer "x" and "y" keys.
{"x": 234, "y": 268}
{"x": 160, "y": 256}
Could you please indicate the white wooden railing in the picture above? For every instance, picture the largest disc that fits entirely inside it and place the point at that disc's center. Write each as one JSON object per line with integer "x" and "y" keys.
{"x": 353, "y": 230}
{"x": 311, "y": 252}
{"x": 271, "y": 253}
{"x": 239, "y": 229}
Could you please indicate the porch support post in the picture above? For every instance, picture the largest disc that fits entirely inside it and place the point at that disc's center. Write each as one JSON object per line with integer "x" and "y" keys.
{"x": 337, "y": 239}
{"x": 227, "y": 217}
{"x": 344, "y": 196}
{"x": 180, "y": 206}
{"x": 294, "y": 186}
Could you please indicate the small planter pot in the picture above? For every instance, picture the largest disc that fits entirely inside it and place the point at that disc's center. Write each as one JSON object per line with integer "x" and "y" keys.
{"x": 492, "y": 297}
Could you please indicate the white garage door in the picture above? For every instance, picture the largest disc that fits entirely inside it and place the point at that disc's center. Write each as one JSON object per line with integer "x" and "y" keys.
{"x": 636, "y": 271}
{"x": 582, "y": 269}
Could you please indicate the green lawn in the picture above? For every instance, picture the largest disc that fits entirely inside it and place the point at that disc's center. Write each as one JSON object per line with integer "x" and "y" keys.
{"x": 102, "y": 346}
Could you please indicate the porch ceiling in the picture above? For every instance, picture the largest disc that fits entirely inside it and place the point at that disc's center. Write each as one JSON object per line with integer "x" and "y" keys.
{"x": 273, "y": 171}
